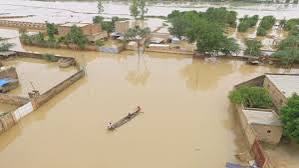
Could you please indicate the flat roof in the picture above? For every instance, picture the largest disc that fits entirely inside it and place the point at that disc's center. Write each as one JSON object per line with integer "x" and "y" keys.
{"x": 287, "y": 84}
{"x": 261, "y": 117}
{"x": 70, "y": 24}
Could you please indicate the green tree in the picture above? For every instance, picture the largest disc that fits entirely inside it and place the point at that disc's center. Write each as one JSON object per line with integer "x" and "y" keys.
{"x": 288, "y": 50}
{"x": 51, "y": 30}
{"x": 251, "y": 96}
{"x": 4, "y": 45}
{"x": 100, "y": 6}
{"x": 134, "y": 8}
{"x": 290, "y": 118}
{"x": 266, "y": 24}
{"x": 138, "y": 35}
{"x": 142, "y": 8}
{"x": 108, "y": 26}
{"x": 97, "y": 19}
{"x": 253, "y": 47}
{"x": 76, "y": 36}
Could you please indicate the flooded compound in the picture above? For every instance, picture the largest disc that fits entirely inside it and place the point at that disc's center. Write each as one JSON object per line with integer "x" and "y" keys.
{"x": 187, "y": 119}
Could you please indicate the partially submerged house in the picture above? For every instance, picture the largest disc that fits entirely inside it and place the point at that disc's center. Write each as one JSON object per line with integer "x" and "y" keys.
{"x": 264, "y": 123}
{"x": 93, "y": 32}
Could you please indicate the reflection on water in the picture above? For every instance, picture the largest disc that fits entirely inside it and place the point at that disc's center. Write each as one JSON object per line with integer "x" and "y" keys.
{"x": 196, "y": 75}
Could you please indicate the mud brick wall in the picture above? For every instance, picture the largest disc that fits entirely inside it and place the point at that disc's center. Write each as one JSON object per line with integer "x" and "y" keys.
{"x": 258, "y": 81}
{"x": 13, "y": 99}
{"x": 57, "y": 89}
{"x": 6, "y": 122}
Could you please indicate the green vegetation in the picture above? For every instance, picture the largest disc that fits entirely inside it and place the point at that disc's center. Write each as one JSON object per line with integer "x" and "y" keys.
{"x": 99, "y": 43}
{"x": 251, "y": 96}
{"x": 5, "y": 46}
{"x": 247, "y": 22}
{"x": 288, "y": 50}
{"x": 292, "y": 26}
{"x": 50, "y": 57}
{"x": 108, "y": 26}
{"x": 205, "y": 28}
{"x": 97, "y": 19}
{"x": 265, "y": 25}
{"x": 253, "y": 47}
{"x": 52, "y": 30}
{"x": 134, "y": 8}
{"x": 137, "y": 33}
{"x": 76, "y": 36}
{"x": 290, "y": 118}
{"x": 138, "y": 8}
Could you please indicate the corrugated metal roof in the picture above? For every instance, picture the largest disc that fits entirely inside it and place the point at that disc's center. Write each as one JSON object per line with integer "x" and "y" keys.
{"x": 287, "y": 84}
{"x": 262, "y": 117}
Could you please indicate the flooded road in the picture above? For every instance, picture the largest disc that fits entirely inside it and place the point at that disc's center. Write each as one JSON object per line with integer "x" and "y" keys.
{"x": 187, "y": 120}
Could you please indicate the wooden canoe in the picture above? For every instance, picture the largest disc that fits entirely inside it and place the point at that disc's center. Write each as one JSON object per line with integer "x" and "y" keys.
{"x": 124, "y": 120}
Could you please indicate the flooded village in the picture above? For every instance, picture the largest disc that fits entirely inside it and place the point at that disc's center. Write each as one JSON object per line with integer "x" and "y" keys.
{"x": 149, "y": 84}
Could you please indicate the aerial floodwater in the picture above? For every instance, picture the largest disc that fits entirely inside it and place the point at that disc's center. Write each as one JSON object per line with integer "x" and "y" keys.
{"x": 187, "y": 120}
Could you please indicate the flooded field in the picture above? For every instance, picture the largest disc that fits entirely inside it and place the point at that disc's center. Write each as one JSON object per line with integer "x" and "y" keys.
{"x": 83, "y": 11}
{"x": 187, "y": 119}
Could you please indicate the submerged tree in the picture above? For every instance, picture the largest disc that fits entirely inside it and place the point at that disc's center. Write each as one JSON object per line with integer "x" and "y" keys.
{"x": 253, "y": 47}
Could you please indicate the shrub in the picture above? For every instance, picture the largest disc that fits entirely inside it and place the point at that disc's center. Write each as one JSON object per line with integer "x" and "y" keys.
{"x": 290, "y": 118}
{"x": 253, "y": 47}
{"x": 252, "y": 97}
{"x": 261, "y": 31}
{"x": 99, "y": 43}
{"x": 50, "y": 57}
{"x": 247, "y": 22}
{"x": 266, "y": 24}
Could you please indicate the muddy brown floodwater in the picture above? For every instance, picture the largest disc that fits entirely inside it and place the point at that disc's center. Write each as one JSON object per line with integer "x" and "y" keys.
{"x": 187, "y": 120}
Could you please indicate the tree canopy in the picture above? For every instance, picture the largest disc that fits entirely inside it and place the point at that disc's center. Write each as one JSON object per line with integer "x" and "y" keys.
{"x": 4, "y": 45}
{"x": 77, "y": 37}
{"x": 138, "y": 8}
{"x": 288, "y": 50}
{"x": 206, "y": 29}
{"x": 247, "y": 22}
{"x": 290, "y": 118}
{"x": 266, "y": 24}
{"x": 253, "y": 47}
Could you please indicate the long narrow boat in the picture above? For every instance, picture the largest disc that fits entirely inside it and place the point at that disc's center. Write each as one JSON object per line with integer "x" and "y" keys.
{"x": 124, "y": 120}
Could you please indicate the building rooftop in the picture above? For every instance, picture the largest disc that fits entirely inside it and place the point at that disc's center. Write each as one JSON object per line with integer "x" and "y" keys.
{"x": 287, "y": 84}
{"x": 255, "y": 116}
{"x": 70, "y": 24}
